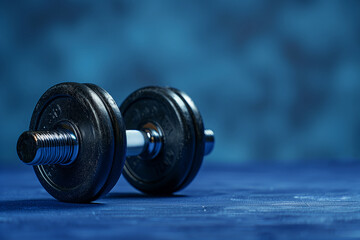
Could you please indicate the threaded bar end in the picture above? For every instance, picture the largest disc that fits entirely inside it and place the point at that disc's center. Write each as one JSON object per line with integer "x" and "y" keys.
{"x": 47, "y": 147}
{"x": 209, "y": 141}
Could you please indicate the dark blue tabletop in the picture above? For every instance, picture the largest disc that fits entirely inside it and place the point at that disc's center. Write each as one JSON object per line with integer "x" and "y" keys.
{"x": 224, "y": 201}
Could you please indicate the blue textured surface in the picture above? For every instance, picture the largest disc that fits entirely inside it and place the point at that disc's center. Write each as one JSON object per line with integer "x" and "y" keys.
{"x": 276, "y": 80}
{"x": 224, "y": 202}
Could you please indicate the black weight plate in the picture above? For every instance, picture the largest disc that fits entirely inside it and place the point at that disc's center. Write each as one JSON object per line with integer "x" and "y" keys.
{"x": 78, "y": 107}
{"x": 199, "y": 136}
{"x": 163, "y": 108}
{"x": 119, "y": 136}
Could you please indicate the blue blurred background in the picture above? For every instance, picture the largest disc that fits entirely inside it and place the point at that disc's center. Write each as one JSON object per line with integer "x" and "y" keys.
{"x": 276, "y": 80}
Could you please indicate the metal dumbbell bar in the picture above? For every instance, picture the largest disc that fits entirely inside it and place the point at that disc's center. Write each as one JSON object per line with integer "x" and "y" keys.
{"x": 62, "y": 147}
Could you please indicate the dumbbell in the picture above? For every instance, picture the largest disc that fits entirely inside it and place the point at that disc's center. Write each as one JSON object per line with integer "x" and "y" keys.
{"x": 77, "y": 141}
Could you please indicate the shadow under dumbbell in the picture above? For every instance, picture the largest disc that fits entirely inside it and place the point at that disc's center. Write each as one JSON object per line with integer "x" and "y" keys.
{"x": 35, "y": 205}
{"x": 125, "y": 195}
